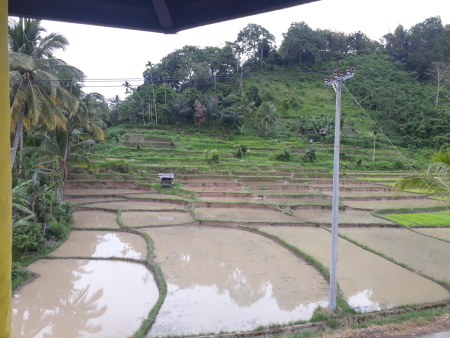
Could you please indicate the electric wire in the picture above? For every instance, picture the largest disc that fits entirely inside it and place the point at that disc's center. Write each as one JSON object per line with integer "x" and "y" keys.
{"x": 396, "y": 149}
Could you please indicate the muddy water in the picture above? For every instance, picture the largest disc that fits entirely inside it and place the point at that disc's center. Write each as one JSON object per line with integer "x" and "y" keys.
{"x": 427, "y": 255}
{"x": 283, "y": 188}
{"x": 252, "y": 199}
{"x": 102, "y": 244}
{"x": 345, "y": 216}
{"x": 95, "y": 219}
{"x": 159, "y": 196}
{"x": 243, "y": 215}
{"x": 213, "y": 187}
{"x": 443, "y": 233}
{"x": 137, "y": 205}
{"x": 366, "y": 193}
{"x": 297, "y": 201}
{"x": 83, "y": 298}
{"x": 212, "y": 288}
{"x": 395, "y": 203}
{"x": 85, "y": 200}
{"x": 149, "y": 218}
{"x": 87, "y": 192}
{"x": 368, "y": 281}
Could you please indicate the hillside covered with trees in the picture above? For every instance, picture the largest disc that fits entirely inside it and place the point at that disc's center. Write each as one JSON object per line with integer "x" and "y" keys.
{"x": 251, "y": 85}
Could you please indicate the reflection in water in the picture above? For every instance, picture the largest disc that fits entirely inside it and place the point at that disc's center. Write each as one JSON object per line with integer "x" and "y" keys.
{"x": 82, "y": 298}
{"x": 358, "y": 269}
{"x": 205, "y": 309}
{"x": 361, "y": 302}
{"x": 102, "y": 244}
{"x": 211, "y": 287}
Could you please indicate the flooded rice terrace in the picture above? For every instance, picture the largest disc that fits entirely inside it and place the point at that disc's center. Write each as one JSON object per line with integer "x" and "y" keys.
{"x": 225, "y": 259}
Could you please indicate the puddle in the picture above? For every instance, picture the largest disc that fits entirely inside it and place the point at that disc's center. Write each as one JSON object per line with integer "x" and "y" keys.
{"x": 368, "y": 281}
{"x": 102, "y": 244}
{"x": 137, "y": 205}
{"x": 212, "y": 288}
{"x": 144, "y": 218}
{"x": 394, "y": 203}
{"x": 345, "y": 216}
{"x": 87, "y": 192}
{"x": 443, "y": 233}
{"x": 427, "y": 255}
{"x": 83, "y": 298}
{"x": 243, "y": 215}
{"x": 95, "y": 219}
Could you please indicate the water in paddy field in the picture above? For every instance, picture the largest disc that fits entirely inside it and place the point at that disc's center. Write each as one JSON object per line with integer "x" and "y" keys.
{"x": 368, "y": 281}
{"x": 102, "y": 244}
{"x": 95, "y": 219}
{"x": 244, "y": 215}
{"x": 228, "y": 279}
{"x": 223, "y": 279}
{"x": 149, "y": 218}
{"x": 84, "y": 298}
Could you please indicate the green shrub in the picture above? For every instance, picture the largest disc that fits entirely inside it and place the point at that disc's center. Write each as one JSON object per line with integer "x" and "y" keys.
{"x": 284, "y": 157}
{"x": 56, "y": 230}
{"x": 241, "y": 151}
{"x": 26, "y": 237}
{"x": 212, "y": 156}
{"x": 310, "y": 155}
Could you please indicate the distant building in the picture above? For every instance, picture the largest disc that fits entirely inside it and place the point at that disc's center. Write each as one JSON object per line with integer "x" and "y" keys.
{"x": 321, "y": 132}
{"x": 166, "y": 179}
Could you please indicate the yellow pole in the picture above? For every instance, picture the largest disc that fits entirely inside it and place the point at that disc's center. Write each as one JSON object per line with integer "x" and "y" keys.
{"x": 5, "y": 179}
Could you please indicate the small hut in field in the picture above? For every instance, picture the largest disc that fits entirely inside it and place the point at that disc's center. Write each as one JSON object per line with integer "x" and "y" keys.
{"x": 166, "y": 179}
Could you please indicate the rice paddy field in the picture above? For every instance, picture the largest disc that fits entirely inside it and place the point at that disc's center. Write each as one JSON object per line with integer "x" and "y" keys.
{"x": 233, "y": 246}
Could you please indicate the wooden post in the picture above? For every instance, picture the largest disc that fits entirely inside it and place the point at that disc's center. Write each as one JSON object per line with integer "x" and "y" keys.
{"x": 5, "y": 179}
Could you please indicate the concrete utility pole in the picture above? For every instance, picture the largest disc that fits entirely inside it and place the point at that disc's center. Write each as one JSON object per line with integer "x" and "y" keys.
{"x": 336, "y": 82}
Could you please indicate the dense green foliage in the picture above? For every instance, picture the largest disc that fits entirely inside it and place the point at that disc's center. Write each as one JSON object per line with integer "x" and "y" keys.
{"x": 53, "y": 124}
{"x": 231, "y": 88}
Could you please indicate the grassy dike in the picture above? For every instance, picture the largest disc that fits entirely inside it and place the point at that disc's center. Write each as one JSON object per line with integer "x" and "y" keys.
{"x": 157, "y": 273}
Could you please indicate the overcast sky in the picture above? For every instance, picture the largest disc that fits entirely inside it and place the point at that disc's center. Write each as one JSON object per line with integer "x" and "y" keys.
{"x": 110, "y": 53}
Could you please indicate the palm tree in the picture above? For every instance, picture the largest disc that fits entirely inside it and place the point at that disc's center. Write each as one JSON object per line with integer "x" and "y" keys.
{"x": 266, "y": 116}
{"x": 36, "y": 91}
{"x": 60, "y": 150}
{"x": 436, "y": 179}
{"x": 178, "y": 108}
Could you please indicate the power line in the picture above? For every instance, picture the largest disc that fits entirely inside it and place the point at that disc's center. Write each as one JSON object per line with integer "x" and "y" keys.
{"x": 396, "y": 149}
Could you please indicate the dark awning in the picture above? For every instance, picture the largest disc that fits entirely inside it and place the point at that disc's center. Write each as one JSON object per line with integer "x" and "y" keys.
{"x": 163, "y": 16}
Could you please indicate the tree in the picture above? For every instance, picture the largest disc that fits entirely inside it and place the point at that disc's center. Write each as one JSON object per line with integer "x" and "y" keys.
{"x": 359, "y": 43}
{"x": 301, "y": 44}
{"x": 255, "y": 42}
{"x": 440, "y": 71}
{"x": 201, "y": 113}
{"x": 177, "y": 108}
{"x": 266, "y": 116}
{"x": 398, "y": 43}
{"x": 37, "y": 93}
{"x": 436, "y": 179}
{"x": 421, "y": 45}
{"x": 58, "y": 150}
